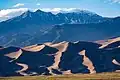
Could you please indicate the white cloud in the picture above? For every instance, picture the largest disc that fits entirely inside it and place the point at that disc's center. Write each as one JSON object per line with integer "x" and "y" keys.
{"x": 10, "y": 13}
{"x": 58, "y": 10}
{"x": 38, "y": 4}
{"x": 115, "y": 1}
{"x": 18, "y": 5}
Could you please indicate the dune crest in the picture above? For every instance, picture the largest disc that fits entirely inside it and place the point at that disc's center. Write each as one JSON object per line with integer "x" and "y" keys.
{"x": 87, "y": 62}
{"x": 109, "y": 41}
{"x": 116, "y": 62}
{"x": 61, "y": 48}
{"x": 34, "y": 48}
{"x": 24, "y": 68}
{"x": 14, "y": 55}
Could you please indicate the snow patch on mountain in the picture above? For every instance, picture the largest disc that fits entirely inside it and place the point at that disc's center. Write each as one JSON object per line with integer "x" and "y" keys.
{"x": 10, "y": 13}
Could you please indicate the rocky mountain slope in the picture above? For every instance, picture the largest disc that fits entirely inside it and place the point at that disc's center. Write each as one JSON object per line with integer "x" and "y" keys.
{"x": 24, "y": 29}
{"x": 25, "y": 36}
{"x": 41, "y": 18}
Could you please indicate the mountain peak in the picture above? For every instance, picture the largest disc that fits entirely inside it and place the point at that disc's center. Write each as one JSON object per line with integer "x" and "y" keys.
{"x": 39, "y": 11}
{"x": 26, "y": 14}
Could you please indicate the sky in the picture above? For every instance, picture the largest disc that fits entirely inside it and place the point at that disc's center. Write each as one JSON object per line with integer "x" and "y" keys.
{"x": 106, "y": 8}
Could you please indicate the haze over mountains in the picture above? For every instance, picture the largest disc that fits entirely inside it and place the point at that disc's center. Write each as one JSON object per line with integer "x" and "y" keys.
{"x": 39, "y": 27}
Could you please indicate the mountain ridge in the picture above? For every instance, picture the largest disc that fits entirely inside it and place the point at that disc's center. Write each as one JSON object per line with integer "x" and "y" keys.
{"x": 39, "y": 27}
{"x": 78, "y": 11}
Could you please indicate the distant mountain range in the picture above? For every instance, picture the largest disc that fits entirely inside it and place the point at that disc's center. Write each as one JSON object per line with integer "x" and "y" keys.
{"x": 42, "y": 43}
{"x": 39, "y": 27}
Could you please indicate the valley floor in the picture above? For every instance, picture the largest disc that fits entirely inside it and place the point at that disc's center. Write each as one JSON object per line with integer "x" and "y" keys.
{"x": 101, "y": 76}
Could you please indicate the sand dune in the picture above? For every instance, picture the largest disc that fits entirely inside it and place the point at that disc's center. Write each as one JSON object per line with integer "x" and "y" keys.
{"x": 25, "y": 67}
{"x": 34, "y": 48}
{"x": 14, "y": 55}
{"x": 61, "y": 47}
{"x": 67, "y": 72}
{"x": 109, "y": 41}
{"x": 115, "y": 62}
{"x": 61, "y": 58}
{"x": 87, "y": 62}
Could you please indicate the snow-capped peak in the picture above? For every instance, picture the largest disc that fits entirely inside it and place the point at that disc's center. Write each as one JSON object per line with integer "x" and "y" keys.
{"x": 26, "y": 14}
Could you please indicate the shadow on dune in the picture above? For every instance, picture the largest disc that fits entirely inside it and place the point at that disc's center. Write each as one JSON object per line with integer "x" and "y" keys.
{"x": 38, "y": 61}
{"x": 78, "y": 57}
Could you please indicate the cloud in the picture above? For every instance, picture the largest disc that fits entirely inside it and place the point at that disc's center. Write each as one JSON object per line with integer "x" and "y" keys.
{"x": 38, "y": 4}
{"x": 10, "y": 13}
{"x": 115, "y": 1}
{"x": 18, "y": 5}
{"x": 58, "y": 10}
